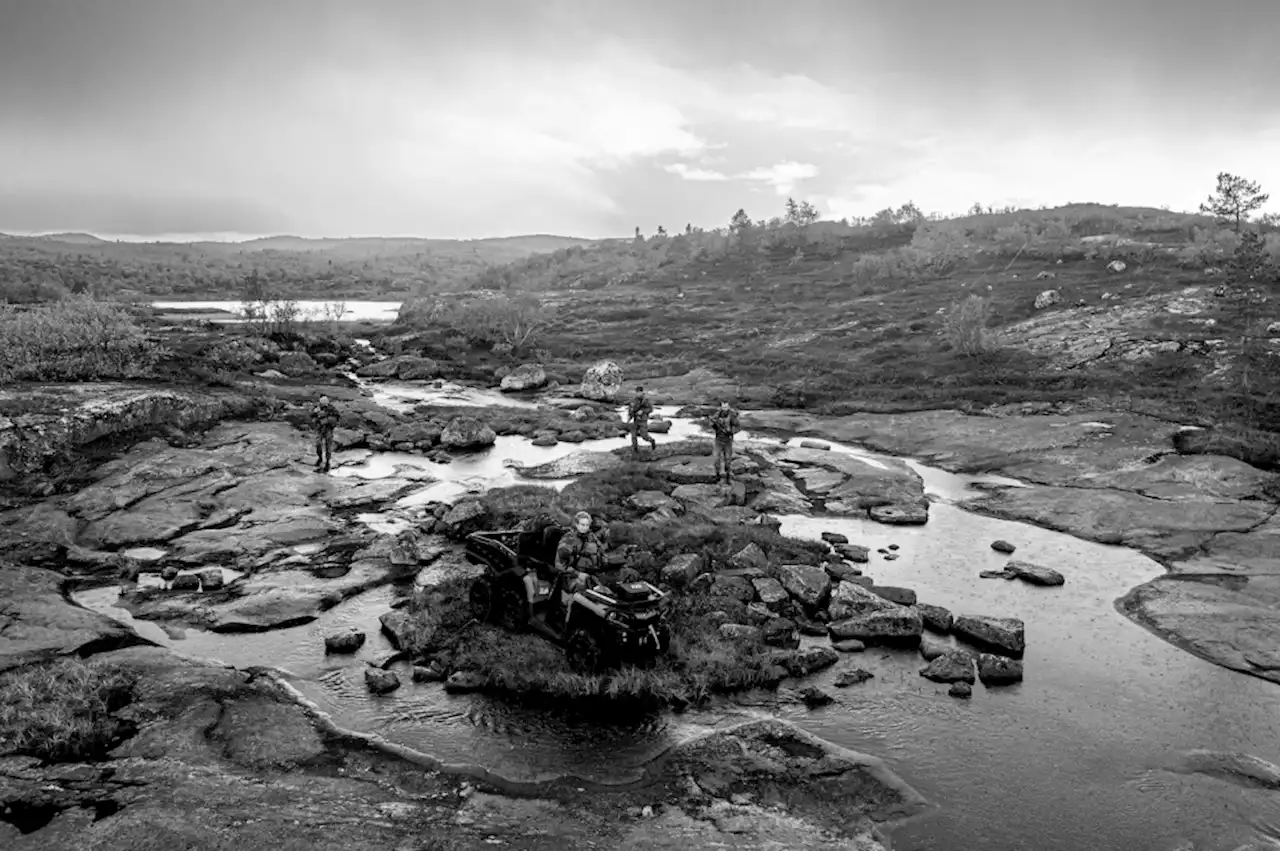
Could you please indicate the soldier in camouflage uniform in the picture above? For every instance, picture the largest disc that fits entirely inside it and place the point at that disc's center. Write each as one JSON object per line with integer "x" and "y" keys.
{"x": 638, "y": 413}
{"x": 324, "y": 419}
{"x": 579, "y": 556}
{"x": 724, "y": 423}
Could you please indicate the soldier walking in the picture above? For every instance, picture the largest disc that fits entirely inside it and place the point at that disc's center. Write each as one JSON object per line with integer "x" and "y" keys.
{"x": 724, "y": 424}
{"x": 324, "y": 419}
{"x": 638, "y": 413}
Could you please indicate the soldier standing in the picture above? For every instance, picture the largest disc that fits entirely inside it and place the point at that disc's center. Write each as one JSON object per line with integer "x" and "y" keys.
{"x": 638, "y": 413}
{"x": 724, "y": 423}
{"x": 324, "y": 419}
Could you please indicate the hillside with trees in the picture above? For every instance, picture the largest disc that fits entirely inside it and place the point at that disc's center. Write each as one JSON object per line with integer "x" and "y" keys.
{"x": 1168, "y": 312}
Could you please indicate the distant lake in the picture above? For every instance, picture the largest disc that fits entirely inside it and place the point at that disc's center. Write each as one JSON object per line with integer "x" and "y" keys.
{"x": 381, "y": 311}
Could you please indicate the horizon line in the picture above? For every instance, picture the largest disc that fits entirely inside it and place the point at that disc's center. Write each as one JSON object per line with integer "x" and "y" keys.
{"x": 238, "y": 238}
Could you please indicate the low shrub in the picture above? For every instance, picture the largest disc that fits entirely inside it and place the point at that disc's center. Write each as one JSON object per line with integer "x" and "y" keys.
{"x": 74, "y": 339}
{"x": 64, "y": 711}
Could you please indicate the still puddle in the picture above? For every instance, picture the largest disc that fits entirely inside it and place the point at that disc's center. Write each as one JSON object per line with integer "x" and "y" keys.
{"x": 1074, "y": 757}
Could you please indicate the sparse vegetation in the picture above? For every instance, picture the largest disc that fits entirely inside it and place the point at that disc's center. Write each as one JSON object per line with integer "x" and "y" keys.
{"x": 965, "y": 326}
{"x": 64, "y": 711}
{"x": 76, "y": 339}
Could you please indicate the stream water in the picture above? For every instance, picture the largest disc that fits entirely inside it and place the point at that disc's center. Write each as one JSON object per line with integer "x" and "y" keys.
{"x": 1080, "y": 755}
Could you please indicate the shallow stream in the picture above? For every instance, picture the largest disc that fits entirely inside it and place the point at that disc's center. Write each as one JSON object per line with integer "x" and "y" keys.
{"x": 1078, "y": 756}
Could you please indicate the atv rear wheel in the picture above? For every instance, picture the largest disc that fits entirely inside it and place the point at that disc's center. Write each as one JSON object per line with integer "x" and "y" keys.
{"x": 481, "y": 599}
{"x": 584, "y": 652}
{"x": 511, "y": 609}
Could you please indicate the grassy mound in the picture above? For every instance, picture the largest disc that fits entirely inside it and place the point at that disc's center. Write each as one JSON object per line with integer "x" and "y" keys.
{"x": 75, "y": 339}
{"x": 63, "y": 711}
{"x": 700, "y": 662}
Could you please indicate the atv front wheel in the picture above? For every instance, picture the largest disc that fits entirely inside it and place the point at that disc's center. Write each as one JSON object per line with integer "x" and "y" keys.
{"x": 512, "y": 609}
{"x": 481, "y": 599}
{"x": 584, "y": 652}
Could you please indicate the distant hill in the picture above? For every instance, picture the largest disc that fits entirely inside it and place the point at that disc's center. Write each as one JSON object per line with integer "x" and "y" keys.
{"x": 70, "y": 238}
{"x": 46, "y": 265}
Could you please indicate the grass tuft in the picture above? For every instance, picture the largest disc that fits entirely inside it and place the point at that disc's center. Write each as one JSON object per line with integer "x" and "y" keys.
{"x": 64, "y": 711}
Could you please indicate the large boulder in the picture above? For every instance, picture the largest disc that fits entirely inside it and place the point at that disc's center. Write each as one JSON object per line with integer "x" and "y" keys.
{"x": 899, "y": 625}
{"x": 808, "y": 585}
{"x": 601, "y": 382}
{"x": 527, "y": 376}
{"x": 1003, "y": 635}
{"x": 467, "y": 433}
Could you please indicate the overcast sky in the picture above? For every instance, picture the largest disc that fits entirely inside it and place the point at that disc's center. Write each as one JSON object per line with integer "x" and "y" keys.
{"x": 472, "y": 118}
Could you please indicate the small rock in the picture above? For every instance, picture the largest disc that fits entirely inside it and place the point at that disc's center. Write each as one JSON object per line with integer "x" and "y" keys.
{"x": 739, "y": 632}
{"x": 749, "y": 556}
{"x": 809, "y": 443}
{"x": 854, "y": 553}
{"x": 1003, "y": 547}
{"x": 931, "y": 648}
{"x": 186, "y": 582}
{"x": 890, "y": 556}
{"x": 1035, "y": 574}
{"x": 781, "y": 632}
{"x": 211, "y": 578}
{"x": 907, "y": 514}
{"x": 682, "y": 570}
{"x": 379, "y": 681}
{"x": 771, "y": 593}
{"x": 894, "y": 594}
{"x": 893, "y": 547}
{"x": 853, "y": 677}
{"x": 834, "y": 538}
{"x": 849, "y": 645}
{"x": 428, "y": 674}
{"x": 951, "y": 667}
{"x": 814, "y": 697}
{"x": 168, "y": 573}
{"x": 996, "y": 670}
{"x": 961, "y": 690}
{"x": 464, "y": 682}
{"x": 840, "y": 570}
{"x": 344, "y": 642}
{"x": 544, "y": 440}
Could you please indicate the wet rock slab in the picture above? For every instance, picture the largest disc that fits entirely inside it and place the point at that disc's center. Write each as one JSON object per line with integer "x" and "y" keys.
{"x": 38, "y": 624}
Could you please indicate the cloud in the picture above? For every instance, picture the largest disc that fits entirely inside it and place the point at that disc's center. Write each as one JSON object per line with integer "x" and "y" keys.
{"x": 782, "y": 176}
{"x": 693, "y": 173}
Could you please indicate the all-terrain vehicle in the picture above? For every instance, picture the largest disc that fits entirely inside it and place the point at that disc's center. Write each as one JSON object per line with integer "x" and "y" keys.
{"x": 607, "y": 625}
